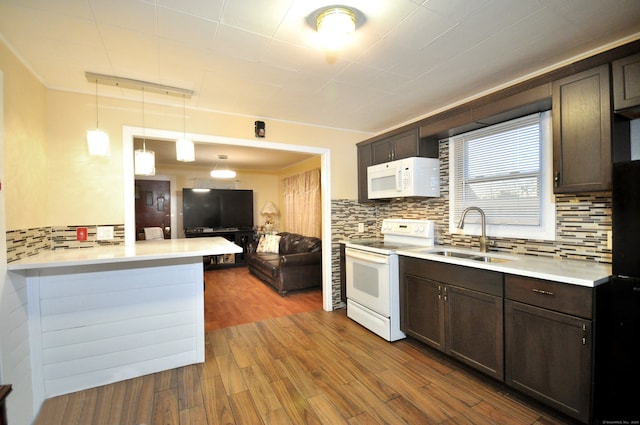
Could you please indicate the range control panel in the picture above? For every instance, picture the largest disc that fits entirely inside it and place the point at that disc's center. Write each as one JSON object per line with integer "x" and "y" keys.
{"x": 408, "y": 227}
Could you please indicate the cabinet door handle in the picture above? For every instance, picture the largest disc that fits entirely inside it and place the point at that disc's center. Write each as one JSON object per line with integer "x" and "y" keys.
{"x": 542, "y": 292}
{"x": 556, "y": 179}
{"x": 439, "y": 292}
{"x": 445, "y": 293}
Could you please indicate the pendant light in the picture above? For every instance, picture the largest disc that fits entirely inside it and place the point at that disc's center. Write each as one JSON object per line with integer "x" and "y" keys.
{"x": 97, "y": 139}
{"x": 144, "y": 160}
{"x": 222, "y": 173}
{"x": 185, "y": 150}
{"x": 335, "y": 25}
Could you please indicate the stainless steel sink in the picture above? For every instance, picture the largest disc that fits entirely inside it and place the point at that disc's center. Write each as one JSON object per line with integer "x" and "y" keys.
{"x": 475, "y": 256}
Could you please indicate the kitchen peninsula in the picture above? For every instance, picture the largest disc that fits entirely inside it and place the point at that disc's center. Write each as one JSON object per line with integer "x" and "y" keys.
{"x": 106, "y": 314}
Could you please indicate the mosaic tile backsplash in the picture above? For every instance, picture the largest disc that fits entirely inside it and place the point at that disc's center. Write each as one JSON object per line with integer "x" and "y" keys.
{"x": 25, "y": 243}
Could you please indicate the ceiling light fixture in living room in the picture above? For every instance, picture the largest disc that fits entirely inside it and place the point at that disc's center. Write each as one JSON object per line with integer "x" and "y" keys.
{"x": 223, "y": 173}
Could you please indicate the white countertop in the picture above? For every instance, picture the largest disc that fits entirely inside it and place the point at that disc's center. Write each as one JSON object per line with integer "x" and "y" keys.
{"x": 576, "y": 272}
{"x": 140, "y": 251}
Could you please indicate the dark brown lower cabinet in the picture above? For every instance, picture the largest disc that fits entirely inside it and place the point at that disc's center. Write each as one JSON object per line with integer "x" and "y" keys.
{"x": 460, "y": 314}
{"x": 474, "y": 333}
{"x": 549, "y": 357}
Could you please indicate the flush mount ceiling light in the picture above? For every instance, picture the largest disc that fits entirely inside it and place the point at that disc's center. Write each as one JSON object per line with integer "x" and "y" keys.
{"x": 185, "y": 150}
{"x": 335, "y": 24}
{"x": 223, "y": 173}
{"x": 97, "y": 139}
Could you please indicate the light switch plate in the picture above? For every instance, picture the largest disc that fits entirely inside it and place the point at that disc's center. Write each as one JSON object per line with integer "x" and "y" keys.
{"x": 104, "y": 233}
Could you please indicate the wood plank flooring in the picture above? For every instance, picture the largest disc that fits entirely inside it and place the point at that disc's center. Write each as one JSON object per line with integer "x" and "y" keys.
{"x": 234, "y": 296}
{"x": 314, "y": 367}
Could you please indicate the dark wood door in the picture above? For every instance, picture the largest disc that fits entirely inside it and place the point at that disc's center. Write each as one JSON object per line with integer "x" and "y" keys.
{"x": 474, "y": 329}
{"x": 153, "y": 206}
{"x": 422, "y": 310}
{"x": 548, "y": 356}
{"x": 582, "y": 132}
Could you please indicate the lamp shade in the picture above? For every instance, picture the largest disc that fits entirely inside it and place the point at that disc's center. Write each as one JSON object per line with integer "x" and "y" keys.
{"x": 185, "y": 150}
{"x": 269, "y": 208}
{"x": 144, "y": 162}
{"x": 98, "y": 142}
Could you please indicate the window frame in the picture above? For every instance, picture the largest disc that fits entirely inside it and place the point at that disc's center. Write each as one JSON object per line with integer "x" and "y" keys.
{"x": 546, "y": 230}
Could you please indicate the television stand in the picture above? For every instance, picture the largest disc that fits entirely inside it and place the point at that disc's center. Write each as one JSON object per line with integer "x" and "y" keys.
{"x": 240, "y": 236}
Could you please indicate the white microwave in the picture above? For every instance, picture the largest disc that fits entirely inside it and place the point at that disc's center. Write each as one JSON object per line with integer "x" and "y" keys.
{"x": 414, "y": 176}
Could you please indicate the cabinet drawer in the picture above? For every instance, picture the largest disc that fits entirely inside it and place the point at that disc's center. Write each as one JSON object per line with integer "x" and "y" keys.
{"x": 565, "y": 298}
{"x": 486, "y": 281}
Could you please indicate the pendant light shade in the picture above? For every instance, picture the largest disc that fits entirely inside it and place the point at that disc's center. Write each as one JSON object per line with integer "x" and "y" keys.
{"x": 223, "y": 172}
{"x": 97, "y": 140}
{"x": 336, "y": 24}
{"x": 185, "y": 150}
{"x": 144, "y": 162}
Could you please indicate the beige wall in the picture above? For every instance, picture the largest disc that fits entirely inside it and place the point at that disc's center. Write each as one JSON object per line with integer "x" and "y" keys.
{"x": 26, "y": 182}
{"x": 52, "y": 181}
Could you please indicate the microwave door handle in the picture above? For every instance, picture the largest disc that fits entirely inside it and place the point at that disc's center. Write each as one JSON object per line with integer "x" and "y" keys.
{"x": 399, "y": 179}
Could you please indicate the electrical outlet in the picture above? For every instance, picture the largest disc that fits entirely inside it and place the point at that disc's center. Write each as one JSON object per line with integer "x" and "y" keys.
{"x": 360, "y": 227}
{"x": 104, "y": 233}
{"x": 609, "y": 239}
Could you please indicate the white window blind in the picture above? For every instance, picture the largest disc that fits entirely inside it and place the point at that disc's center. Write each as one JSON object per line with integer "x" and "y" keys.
{"x": 499, "y": 169}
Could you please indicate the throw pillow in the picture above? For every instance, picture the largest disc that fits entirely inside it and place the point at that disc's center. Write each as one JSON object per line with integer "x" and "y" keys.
{"x": 269, "y": 243}
{"x": 260, "y": 246}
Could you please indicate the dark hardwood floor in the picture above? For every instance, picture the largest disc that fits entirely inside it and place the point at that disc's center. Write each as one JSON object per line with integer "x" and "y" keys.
{"x": 234, "y": 296}
{"x": 311, "y": 367}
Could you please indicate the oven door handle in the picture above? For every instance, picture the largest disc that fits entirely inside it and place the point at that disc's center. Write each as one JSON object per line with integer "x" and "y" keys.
{"x": 367, "y": 256}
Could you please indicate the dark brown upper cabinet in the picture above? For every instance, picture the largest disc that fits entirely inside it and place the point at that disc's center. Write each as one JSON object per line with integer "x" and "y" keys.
{"x": 626, "y": 86}
{"x": 582, "y": 131}
{"x": 403, "y": 145}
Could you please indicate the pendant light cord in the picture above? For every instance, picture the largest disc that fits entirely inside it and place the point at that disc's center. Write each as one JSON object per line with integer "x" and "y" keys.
{"x": 144, "y": 137}
{"x": 97, "y": 108}
{"x": 184, "y": 116}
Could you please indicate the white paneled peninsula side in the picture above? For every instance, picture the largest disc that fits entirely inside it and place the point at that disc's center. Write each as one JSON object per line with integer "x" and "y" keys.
{"x": 106, "y": 314}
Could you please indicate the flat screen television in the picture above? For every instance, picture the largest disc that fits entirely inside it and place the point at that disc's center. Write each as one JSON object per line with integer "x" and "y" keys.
{"x": 217, "y": 208}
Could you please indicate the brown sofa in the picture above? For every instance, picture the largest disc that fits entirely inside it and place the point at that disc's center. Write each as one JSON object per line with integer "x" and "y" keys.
{"x": 297, "y": 265}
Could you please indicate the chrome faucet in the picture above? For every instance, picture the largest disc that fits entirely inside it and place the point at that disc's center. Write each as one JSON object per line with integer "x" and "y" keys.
{"x": 483, "y": 237}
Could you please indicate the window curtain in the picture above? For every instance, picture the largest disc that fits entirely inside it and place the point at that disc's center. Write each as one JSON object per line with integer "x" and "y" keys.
{"x": 302, "y": 203}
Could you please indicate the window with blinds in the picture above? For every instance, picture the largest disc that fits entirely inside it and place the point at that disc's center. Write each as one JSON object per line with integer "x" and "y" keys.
{"x": 503, "y": 169}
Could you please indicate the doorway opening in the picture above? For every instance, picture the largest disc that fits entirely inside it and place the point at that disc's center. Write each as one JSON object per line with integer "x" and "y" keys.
{"x": 128, "y": 135}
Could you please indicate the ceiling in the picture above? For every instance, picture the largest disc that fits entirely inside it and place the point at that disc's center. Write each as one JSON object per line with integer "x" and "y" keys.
{"x": 239, "y": 157}
{"x": 261, "y": 58}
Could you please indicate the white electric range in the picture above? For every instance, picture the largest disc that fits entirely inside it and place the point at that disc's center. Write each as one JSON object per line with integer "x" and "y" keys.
{"x": 372, "y": 275}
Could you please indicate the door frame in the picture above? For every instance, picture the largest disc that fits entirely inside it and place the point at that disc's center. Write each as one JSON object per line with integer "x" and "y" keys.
{"x": 130, "y": 132}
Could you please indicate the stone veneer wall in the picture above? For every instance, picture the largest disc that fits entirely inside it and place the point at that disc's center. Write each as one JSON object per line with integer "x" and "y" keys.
{"x": 582, "y": 224}
{"x": 25, "y": 243}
